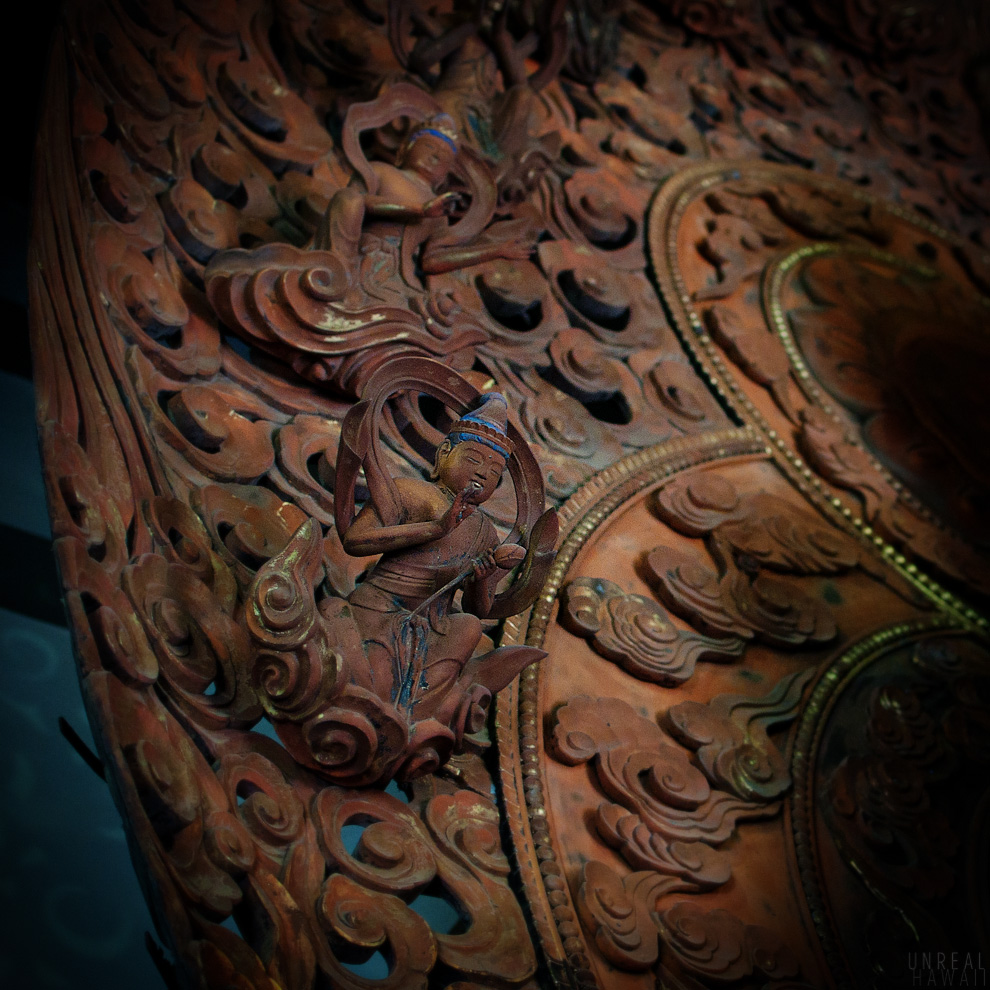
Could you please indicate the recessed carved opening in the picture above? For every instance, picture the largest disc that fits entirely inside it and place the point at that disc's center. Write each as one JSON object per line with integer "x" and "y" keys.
{"x": 611, "y": 316}
{"x": 320, "y": 470}
{"x": 244, "y": 790}
{"x": 615, "y": 409}
{"x": 607, "y": 407}
{"x": 438, "y": 911}
{"x": 373, "y": 967}
{"x": 434, "y": 412}
{"x": 511, "y": 313}
{"x": 637, "y": 76}
{"x": 161, "y": 333}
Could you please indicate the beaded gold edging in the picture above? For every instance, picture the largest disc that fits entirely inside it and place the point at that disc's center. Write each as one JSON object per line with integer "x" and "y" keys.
{"x": 833, "y": 681}
{"x": 518, "y": 724}
{"x": 773, "y": 283}
{"x": 664, "y": 219}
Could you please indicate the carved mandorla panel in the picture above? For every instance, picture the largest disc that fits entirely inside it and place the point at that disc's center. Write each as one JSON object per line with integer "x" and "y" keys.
{"x": 737, "y": 388}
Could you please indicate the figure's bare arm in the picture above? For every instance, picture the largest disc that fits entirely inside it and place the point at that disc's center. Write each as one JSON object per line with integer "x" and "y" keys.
{"x": 402, "y": 200}
{"x": 385, "y": 209}
{"x": 366, "y": 535}
{"x": 440, "y": 260}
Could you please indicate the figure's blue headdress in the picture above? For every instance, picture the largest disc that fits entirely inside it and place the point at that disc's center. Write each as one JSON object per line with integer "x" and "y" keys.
{"x": 486, "y": 425}
{"x": 440, "y": 125}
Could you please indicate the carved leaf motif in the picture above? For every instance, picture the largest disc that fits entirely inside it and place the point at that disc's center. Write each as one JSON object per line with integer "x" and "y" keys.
{"x": 227, "y": 961}
{"x": 619, "y": 913}
{"x": 636, "y": 633}
{"x": 757, "y": 351}
{"x": 688, "y": 865}
{"x": 202, "y": 653}
{"x": 371, "y": 920}
{"x": 248, "y": 525}
{"x": 466, "y": 830}
{"x": 282, "y": 617}
{"x": 179, "y": 535}
{"x": 456, "y": 842}
{"x": 840, "y": 461}
{"x": 672, "y": 808}
{"x": 732, "y": 246}
{"x": 773, "y": 532}
{"x": 670, "y": 818}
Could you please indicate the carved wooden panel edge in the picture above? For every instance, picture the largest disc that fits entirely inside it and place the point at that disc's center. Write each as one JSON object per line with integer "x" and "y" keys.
{"x": 832, "y": 680}
{"x": 666, "y": 210}
{"x": 519, "y": 729}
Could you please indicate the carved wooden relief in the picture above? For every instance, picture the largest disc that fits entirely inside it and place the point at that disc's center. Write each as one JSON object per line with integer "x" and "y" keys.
{"x": 337, "y": 306}
{"x": 677, "y": 826}
{"x": 834, "y": 332}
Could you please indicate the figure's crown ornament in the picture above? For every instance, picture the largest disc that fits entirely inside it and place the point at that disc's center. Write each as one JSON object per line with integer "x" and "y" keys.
{"x": 486, "y": 424}
{"x": 440, "y": 125}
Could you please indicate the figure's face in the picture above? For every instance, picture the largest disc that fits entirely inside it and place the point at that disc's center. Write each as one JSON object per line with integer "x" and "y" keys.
{"x": 431, "y": 157}
{"x": 471, "y": 464}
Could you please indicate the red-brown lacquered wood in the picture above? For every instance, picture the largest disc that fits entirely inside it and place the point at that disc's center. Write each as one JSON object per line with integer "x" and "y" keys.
{"x": 726, "y": 265}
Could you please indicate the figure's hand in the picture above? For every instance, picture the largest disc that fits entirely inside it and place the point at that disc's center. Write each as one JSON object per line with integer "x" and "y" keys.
{"x": 485, "y": 565}
{"x": 459, "y": 511}
{"x": 440, "y": 205}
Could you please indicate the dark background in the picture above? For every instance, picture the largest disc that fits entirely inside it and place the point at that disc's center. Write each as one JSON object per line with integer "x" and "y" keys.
{"x": 72, "y": 912}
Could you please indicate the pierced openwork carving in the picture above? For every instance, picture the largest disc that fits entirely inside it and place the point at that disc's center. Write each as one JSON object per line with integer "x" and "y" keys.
{"x": 388, "y": 681}
{"x": 284, "y": 252}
